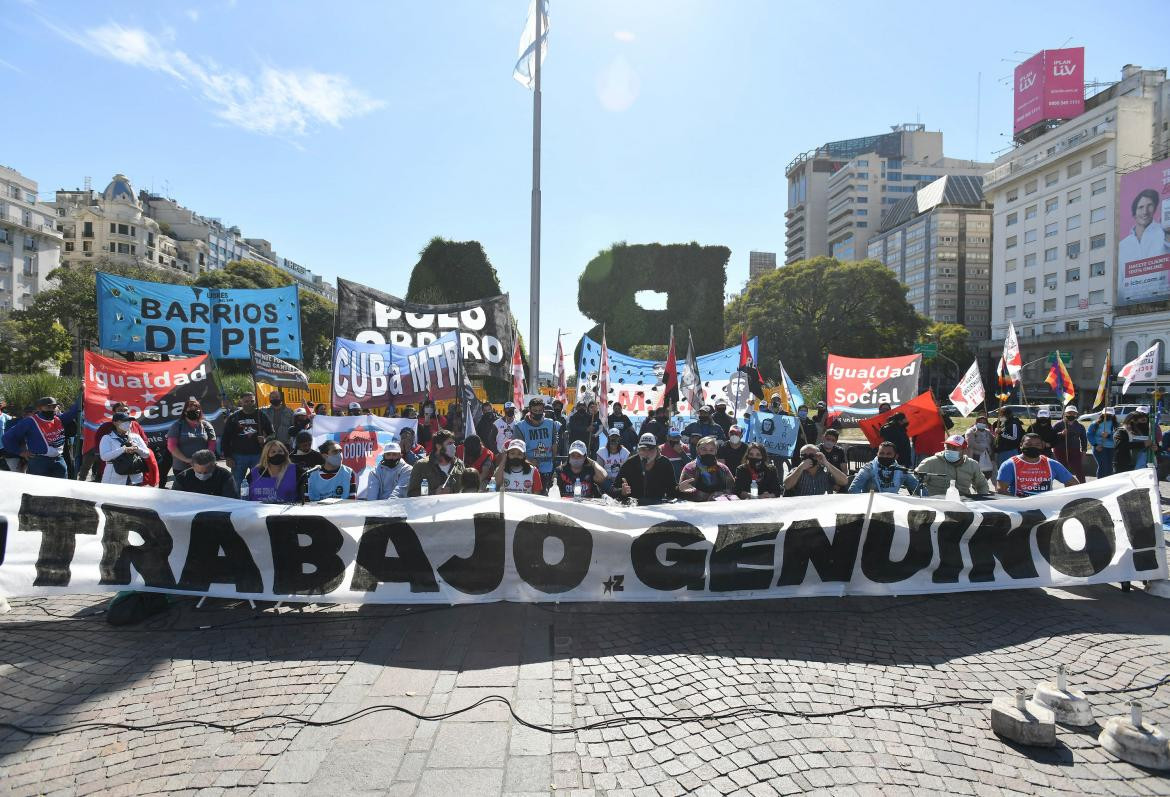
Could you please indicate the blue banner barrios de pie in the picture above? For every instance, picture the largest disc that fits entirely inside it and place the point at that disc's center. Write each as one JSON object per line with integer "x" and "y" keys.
{"x": 135, "y": 315}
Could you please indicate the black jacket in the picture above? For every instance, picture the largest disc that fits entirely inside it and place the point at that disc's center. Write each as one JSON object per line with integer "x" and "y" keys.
{"x": 896, "y": 433}
{"x": 648, "y": 486}
{"x": 769, "y": 480}
{"x": 221, "y": 483}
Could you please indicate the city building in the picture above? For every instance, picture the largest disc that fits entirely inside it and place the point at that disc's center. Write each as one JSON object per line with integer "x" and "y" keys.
{"x": 114, "y": 226}
{"x": 30, "y": 245}
{"x": 225, "y": 244}
{"x": 838, "y": 192}
{"x": 760, "y": 263}
{"x": 937, "y": 241}
{"x": 1055, "y": 234}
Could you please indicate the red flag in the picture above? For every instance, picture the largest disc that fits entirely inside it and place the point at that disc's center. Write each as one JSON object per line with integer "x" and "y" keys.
{"x": 517, "y": 375}
{"x": 924, "y": 424}
{"x": 670, "y": 375}
{"x": 748, "y": 366}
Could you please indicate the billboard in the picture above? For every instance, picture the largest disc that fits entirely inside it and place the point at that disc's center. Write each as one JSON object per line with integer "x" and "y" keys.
{"x": 1049, "y": 85}
{"x": 1143, "y": 254}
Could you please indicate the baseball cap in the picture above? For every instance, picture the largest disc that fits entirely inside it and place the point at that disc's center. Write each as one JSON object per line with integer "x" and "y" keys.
{"x": 516, "y": 444}
{"x": 647, "y": 441}
{"x": 720, "y": 402}
{"x": 508, "y": 405}
{"x": 300, "y": 411}
{"x": 47, "y": 401}
{"x": 673, "y": 434}
{"x": 578, "y": 447}
{"x": 1108, "y": 411}
{"x": 1143, "y": 409}
{"x": 735, "y": 430}
{"x": 392, "y": 447}
{"x": 957, "y": 440}
{"x": 353, "y": 405}
{"x": 1043, "y": 414}
{"x": 1071, "y": 408}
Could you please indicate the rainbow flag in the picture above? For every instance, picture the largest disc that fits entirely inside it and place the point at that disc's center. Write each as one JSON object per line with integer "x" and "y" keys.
{"x": 1059, "y": 380}
{"x": 1004, "y": 381}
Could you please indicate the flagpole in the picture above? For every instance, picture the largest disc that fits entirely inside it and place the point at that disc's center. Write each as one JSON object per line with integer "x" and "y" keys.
{"x": 534, "y": 257}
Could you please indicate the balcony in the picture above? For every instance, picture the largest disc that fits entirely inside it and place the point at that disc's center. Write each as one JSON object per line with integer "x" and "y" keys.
{"x": 1017, "y": 167}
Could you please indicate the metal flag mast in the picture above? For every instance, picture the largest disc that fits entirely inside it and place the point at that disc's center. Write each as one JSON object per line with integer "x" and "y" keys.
{"x": 534, "y": 276}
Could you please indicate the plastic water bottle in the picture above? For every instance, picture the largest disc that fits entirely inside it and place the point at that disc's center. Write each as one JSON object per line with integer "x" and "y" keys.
{"x": 424, "y": 488}
{"x": 755, "y": 491}
{"x": 244, "y": 490}
{"x": 491, "y": 485}
{"x": 577, "y": 490}
{"x": 953, "y": 493}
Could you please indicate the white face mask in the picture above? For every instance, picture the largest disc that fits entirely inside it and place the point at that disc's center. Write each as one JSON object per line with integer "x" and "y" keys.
{"x": 735, "y": 438}
{"x": 981, "y": 426}
{"x": 333, "y": 460}
{"x": 123, "y": 426}
{"x": 203, "y": 476}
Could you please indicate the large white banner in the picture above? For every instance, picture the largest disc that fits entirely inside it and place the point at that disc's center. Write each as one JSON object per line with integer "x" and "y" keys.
{"x": 59, "y": 536}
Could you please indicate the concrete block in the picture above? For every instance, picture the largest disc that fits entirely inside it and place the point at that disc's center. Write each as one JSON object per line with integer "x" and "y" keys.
{"x": 1068, "y": 706}
{"x": 1015, "y": 720}
{"x": 1135, "y": 741}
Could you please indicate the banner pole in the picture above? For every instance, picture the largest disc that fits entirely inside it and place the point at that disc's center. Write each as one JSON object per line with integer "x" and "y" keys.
{"x": 534, "y": 266}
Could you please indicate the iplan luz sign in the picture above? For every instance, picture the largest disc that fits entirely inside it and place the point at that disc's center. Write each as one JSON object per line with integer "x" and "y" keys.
{"x": 1049, "y": 85}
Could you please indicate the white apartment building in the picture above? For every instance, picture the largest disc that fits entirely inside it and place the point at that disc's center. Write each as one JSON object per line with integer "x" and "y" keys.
{"x": 838, "y": 192}
{"x": 1055, "y": 234}
{"x": 30, "y": 246}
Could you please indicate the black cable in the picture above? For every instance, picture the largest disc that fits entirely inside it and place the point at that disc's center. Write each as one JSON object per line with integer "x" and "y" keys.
{"x": 613, "y": 722}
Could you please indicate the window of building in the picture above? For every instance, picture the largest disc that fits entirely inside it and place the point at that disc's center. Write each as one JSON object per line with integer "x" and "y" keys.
{"x": 1072, "y": 196}
{"x": 87, "y": 246}
{"x": 1051, "y": 178}
{"x": 1051, "y": 204}
{"x": 1010, "y": 265}
{"x": 1029, "y": 260}
{"x": 69, "y": 246}
{"x": 1050, "y": 255}
{"x": 1073, "y": 326}
{"x": 1071, "y": 302}
{"x": 1097, "y": 214}
{"x": 1073, "y": 222}
{"x": 1097, "y": 187}
{"x": 1031, "y": 187}
{"x": 1098, "y": 297}
{"x": 113, "y": 247}
{"x": 1072, "y": 249}
{"x": 1010, "y": 243}
{"x": 1051, "y": 229}
{"x": 1097, "y": 241}
{"x": 87, "y": 230}
{"x": 1049, "y": 305}
{"x": 1050, "y": 279}
{"x": 1029, "y": 236}
{"x": 1012, "y": 218}
{"x": 1097, "y": 269}
{"x": 113, "y": 228}
{"x": 861, "y": 212}
{"x": 1073, "y": 169}
{"x": 1009, "y": 311}
{"x": 1072, "y": 274}
{"x": 1030, "y": 285}
{"x": 863, "y": 224}
{"x": 1030, "y": 212}
{"x": 1009, "y": 288}
{"x": 1098, "y": 159}
{"x": 1012, "y": 195}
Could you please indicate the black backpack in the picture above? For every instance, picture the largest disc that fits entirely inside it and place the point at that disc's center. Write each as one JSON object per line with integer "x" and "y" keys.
{"x": 128, "y": 462}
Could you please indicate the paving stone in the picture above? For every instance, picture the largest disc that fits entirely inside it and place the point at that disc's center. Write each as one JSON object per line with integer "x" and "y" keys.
{"x": 528, "y": 774}
{"x": 469, "y": 744}
{"x": 460, "y": 782}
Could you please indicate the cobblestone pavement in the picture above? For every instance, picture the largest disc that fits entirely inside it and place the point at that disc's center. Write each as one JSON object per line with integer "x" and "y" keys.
{"x": 573, "y": 665}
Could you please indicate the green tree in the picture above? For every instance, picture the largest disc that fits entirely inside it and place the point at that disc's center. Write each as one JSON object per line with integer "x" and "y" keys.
{"x": 27, "y": 344}
{"x": 452, "y": 271}
{"x": 810, "y": 308}
{"x": 954, "y": 340}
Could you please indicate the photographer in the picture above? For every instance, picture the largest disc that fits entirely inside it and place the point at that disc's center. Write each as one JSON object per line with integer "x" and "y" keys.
{"x": 815, "y": 475}
{"x": 124, "y": 452}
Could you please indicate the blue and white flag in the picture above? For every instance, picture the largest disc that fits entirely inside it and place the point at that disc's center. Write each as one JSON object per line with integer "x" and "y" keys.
{"x": 794, "y": 394}
{"x": 525, "y": 70}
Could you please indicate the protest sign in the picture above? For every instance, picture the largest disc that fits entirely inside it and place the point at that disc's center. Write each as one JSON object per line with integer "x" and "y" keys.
{"x": 778, "y": 433}
{"x": 81, "y": 537}
{"x": 483, "y": 327}
{"x": 154, "y": 392}
{"x": 969, "y": 393}
{"x": 270, "y": 370}
{"x": 362, "y": 439}
{"x": 856, "y": 387}
{"x": 380, "y": 374}
{"x": 135, "y": 315}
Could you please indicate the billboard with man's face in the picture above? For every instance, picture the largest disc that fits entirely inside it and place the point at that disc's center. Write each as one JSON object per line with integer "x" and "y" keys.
{"x": 1049, "y": 85}
{"x": 1143, "y": 253}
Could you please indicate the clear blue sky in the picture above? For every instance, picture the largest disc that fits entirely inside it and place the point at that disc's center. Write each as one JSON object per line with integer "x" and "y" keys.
{"x": 350, "y": 134}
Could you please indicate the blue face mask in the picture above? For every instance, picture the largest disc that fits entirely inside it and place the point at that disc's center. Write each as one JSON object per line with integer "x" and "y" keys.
{"x": 803, "y": 413}
{"x": 952, "y": 456}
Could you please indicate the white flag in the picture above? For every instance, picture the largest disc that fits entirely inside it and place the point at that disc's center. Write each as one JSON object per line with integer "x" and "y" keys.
{"x": 1144, "y": 367}
{"x": 969, "y": 394}
{"x": 603, "y": 384}
{"x": 525, "y": 70}
{"x": 1011, "y": 353}
{"x": 691, "y": 382}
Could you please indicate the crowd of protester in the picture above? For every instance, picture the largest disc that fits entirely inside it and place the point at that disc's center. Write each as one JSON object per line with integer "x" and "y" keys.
{"x": 268, "y": 453}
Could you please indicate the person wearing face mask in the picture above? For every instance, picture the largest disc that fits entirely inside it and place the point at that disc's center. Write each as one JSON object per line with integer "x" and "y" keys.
{"x": 1030, "y": 472}
{"x": 1042, "y": 428}
{"x": 611, "y": 457}
{"x": 442, "y": 470}
{"x": 539, "y": 435}
{"x": 952, "y": 466}
{"x": 674, "y": 452}
{"x": 303, "y": 455}
{"x": 189, "y": 434}
{"x": 279, "y": 416}
{"x": 1008, "y": 430}
{"x": 205, "y": 477}
{"x": 92, "y": 462}
{"x": 244, "y": 433}
{"x": 301, "y": 421}
{"x": 354, "y": 409}
{"x": 758, "y": 468}
{"x": 1133, "y": 445}
{"x": 808, "y": 427}
{"x": 581, "y": 421}
{"x": 815, "y": 475}
{"x": 894, "y": 431}
{"x": 981, "y": 445}
{"x": 648, "y": 478}
{"x": 392, "y": 476}
{"x": 412, "y": 452}
{"x": 834, "y": 454}
{"x": 704, "y": 426}
{"x": 429, "y": 424}
{"x": 124, "y": 452}
{"x": 820, "y": 416}
{"x": 332, "y": 480}
{"x": 579, "y": 468}
{"x": 485, "y": 428}
{"x": 724, "y": 421}
{"x": 515, "y": 474}
{"x": 1100, "y": 437}
{"x": 1071, "y": 443}
{"x": 883, "y": 474}
{"x": 505, "y": 426}
{"x": 39, "y": 438}
{"x": 275, "y": 480}
{"x": 622, "y": 426}
{"x": 477, "y": 458}
{"x": 709, "y": 478}
{"x": 655, "y": 424}
{"x": 732, "y": 452}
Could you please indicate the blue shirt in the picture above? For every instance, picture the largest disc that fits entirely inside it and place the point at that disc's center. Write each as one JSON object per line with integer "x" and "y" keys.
{"x": 539, "y": 442}
{"x": 1007, "y": 475}
{"x": 26, "y": 435}
{"x": 870, "y": 476}
{"x": 337, "y": 486}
